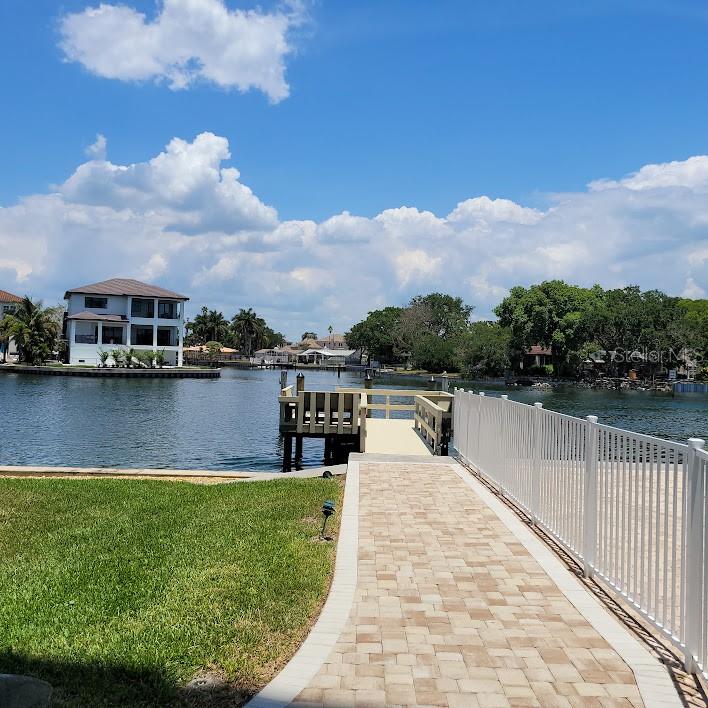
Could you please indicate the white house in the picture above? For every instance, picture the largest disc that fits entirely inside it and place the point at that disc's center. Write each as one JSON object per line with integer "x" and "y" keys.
{"x": 120, "y": 314}
{"x": 8, "y": 305}
{"x": 329, "y": 356}
{"x": 274, "y": 356}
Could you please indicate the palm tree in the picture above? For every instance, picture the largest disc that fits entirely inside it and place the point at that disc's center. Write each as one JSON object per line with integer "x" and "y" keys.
{"x": 208, "y": 325}
{"x": 217, "y": 326}
{"x": 35, "y": 330}
{"x": 249, "y": 328}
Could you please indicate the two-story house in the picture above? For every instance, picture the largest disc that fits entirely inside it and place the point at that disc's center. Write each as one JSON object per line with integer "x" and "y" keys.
{"x": 121, "y": 313}
{"x": 8, "y": 305}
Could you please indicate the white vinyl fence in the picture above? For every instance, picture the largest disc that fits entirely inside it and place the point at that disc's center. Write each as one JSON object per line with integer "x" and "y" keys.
{"x": 632, "y": 508}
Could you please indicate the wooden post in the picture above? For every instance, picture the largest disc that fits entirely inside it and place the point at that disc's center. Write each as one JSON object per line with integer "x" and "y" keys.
{"x": 287, "y": 453}
{"x": 327, "y": 449}
{"x": 298, "y": 450}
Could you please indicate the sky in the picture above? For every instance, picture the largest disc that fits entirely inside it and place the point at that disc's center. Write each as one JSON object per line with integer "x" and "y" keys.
{"x": 316, "y": 160}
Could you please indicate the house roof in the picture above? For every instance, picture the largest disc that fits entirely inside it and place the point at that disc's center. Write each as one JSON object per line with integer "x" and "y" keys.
{"x": 328, "y": 352}
{"x": 92, "y": 316}
{"x": 334, "y": 337}
{"x": 537, "y": 349}
{"x": 9, "y": 297}
{"x": 125, "y": 286}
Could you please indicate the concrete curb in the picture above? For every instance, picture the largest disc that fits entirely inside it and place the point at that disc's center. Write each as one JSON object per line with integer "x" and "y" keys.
{"x": 321, "y": 640}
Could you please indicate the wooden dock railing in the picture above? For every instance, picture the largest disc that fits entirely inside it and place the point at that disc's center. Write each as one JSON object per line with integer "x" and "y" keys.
{"x": 340, "y": 417}
{"x": 433, "y": 421}
{"x": 431, "y": 411}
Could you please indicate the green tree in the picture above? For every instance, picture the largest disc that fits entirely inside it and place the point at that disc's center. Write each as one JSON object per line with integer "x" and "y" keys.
{"x": 484, "y": 350}
{"x": 309, "y": 335}
{"x": 433, "y": 353}
{"x": 376, "y": 334}
{"x": 213, "y": 349}
{"x": 250, "y": 329}
{"x": 552, "y": 314}
{"x": 442, "y": 315}
{"x": 694, "y": 326}
{"x": 207, "y": 325}
{"x": 35, "y": 330}
{"x": 626, "y": 321}
{"x": 273, "y": 339}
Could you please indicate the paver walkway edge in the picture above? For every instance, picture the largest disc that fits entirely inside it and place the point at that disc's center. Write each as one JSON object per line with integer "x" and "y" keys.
{"x": 309, "y": 658}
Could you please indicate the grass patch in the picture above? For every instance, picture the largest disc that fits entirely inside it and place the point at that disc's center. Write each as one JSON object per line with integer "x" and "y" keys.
{"x": 118, "y": 592}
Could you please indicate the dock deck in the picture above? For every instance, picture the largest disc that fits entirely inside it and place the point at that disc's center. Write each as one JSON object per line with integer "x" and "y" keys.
{"x": 394, "y": 437}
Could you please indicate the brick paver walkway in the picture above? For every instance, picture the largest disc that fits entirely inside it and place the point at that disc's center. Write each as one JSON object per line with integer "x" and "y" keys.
{"x": 451, "y": 610}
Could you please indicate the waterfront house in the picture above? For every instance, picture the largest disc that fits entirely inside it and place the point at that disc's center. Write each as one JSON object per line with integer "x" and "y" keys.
{"x": 273, "y": 356}
{"x": 120, "y": 314}
{"x": 536, "y": 357}
{"x": 8, "y": 305}
{"x": 329, "y": 357}
{"x": 333, "y": 341}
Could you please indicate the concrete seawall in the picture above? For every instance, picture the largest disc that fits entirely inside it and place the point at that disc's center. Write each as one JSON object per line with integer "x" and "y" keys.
{"x": 177, "y": 373}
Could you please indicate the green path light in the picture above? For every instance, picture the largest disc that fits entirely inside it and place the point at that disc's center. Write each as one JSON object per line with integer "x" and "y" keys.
{"x": 328, "y": 508}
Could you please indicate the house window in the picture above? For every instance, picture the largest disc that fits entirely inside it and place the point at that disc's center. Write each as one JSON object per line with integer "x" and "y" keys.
{"x": 142, "y": 308}
{"x": 112, "y": 335}
{"x": 8, "y": 309}
{"x": 141, "y": 336}
{"x": 167, "y": 310}
{"x": 95, "y": 303}
{"x": 165, "y": 338}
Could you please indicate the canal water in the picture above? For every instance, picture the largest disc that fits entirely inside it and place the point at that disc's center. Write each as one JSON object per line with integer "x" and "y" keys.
{"x": 232, "y": 422}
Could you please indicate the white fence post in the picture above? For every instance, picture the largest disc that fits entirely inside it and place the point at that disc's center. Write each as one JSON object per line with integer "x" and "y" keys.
{"x": 467, "y": 402}
{"x": 590, "y": 497}
{"x": 695, "y": 491}
{"x": 536, "y": 465}
{"x": 503, "y": 431}
{"x": 478, "y": 461}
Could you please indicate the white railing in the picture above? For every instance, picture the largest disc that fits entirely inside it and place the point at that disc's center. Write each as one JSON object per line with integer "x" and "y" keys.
{"x": 633, "y": 509}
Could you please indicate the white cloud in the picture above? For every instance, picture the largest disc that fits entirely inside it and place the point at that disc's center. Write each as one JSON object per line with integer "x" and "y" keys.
{"x": 185, "y": 220}
{"x": 691, "y": 173}
{"x": 483, "y": 211}
{"x": 693, "y": 290}
{"x": 97, "y": 151}
{"x": 186, "y": 42}
{"x": 416, "y": 266}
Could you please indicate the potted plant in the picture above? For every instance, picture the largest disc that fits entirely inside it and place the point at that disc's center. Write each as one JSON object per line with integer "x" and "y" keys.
{"x": 103, "y": 358}
{"x": 160, "y": 358}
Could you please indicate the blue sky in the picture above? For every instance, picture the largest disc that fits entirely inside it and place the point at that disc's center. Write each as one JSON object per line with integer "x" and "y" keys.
{"x": 390, "y": 104}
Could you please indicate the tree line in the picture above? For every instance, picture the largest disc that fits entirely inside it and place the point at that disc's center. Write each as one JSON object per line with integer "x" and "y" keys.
{"x": 245, "y": 331}
{"x": 435, "y": 332}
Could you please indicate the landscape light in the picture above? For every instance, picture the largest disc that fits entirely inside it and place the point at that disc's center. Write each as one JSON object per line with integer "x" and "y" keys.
{"x": 328, "y": 509}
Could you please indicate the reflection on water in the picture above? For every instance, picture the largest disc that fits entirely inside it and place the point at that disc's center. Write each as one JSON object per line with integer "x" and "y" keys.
{"x": 232, "y": 422}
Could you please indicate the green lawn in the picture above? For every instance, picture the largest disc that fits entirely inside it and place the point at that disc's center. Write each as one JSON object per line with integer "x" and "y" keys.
{"x": 118, "y": 592}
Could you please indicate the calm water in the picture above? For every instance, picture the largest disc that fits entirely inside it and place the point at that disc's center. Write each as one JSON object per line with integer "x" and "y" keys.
{"x": 232, "y": 422}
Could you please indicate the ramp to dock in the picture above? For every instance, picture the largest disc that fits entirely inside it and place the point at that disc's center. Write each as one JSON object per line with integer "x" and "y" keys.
{"x": 394, "y": 437}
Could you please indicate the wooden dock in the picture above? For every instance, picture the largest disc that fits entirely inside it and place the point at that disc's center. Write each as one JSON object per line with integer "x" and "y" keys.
{"x": 385, "y": 421}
